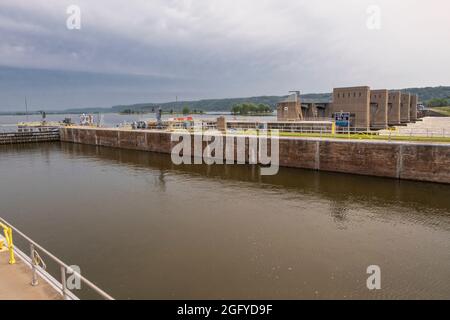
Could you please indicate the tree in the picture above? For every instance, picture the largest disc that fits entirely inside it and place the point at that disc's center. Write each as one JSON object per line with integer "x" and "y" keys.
{"x": 438, "y": 102}
{"x": 235, "y": 109}
{"x": 186, "y": 110}
{"x": 250, "y": 108}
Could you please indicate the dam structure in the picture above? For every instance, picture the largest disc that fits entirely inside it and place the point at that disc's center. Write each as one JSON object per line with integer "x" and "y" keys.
{"x": 365, "y": 108}
{"x": 352, "y": 133}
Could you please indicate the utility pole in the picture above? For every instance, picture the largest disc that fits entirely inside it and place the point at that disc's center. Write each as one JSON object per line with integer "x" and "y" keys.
{"x": 26, "y": 108}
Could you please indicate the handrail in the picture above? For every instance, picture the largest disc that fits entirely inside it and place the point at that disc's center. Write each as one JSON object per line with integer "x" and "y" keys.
{"x": 314, "y": 128}
{"x": 59, "y": 262}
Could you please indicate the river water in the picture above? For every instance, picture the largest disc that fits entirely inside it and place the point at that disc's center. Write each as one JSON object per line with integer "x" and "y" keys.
{"x": 141, "y": 227}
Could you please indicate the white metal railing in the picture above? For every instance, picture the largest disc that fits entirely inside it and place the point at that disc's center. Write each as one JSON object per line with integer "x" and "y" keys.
{"x": 317, "y": 119}
{"x": 418, "y": 132}
{"x": 326, "y": 131}
{"x": 36, "y": 269}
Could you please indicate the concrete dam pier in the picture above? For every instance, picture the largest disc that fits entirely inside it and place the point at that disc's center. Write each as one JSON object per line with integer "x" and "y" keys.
{"x": 400, "y": 160}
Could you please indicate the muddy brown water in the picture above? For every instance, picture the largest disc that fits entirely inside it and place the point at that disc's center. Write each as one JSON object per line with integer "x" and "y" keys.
{"x": 141, "y": 227}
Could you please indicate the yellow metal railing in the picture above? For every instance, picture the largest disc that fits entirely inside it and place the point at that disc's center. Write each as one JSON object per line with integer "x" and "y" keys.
{"x": 9, "y": 242}
{"x": 35, "y": 262}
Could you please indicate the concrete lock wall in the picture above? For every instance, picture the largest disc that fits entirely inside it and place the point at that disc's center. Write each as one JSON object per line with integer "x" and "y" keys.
{"x": 355, "y": 100}
{"x": 379, "y": 108}
{"x": 394, "y": 108}
{"x": 405, "y": 107}
{"x": 413, "y": 107}
{"x": 401, "y": 160}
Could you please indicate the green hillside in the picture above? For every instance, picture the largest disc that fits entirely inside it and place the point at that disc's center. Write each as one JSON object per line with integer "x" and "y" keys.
{"x": 211, "y": 105}
{"x": 429, "y": 93}
{"x": 217, "y": 104}
{"x": 425, "y": 94}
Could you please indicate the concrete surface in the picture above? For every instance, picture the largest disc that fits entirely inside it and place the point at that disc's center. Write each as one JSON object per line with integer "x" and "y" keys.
{"x": 15, "y": 282}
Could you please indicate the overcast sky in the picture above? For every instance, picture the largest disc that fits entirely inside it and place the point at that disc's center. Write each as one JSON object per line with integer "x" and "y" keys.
{"x": 153, "y": 50}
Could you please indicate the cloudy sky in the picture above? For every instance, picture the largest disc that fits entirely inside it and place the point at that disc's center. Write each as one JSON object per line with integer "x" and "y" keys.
{"x": 154, "y": 50}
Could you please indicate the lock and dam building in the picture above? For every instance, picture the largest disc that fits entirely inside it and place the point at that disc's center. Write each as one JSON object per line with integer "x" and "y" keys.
{"x": 364, "y": 108}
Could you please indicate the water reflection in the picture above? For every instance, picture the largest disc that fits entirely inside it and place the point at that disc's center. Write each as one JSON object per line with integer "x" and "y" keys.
{"x": 342, "y": 190}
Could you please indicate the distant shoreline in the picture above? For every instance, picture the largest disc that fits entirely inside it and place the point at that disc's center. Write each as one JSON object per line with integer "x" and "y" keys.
{"x": 109, "y": 112}
{"x": 212, "y": 113}
{"x": 224, "y": 105}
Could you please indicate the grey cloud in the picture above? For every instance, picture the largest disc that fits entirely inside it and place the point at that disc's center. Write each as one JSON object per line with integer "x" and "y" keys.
{"x": 219, "y": 48}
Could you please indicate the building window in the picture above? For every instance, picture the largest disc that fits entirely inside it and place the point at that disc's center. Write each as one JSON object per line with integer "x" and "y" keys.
{"x": 360, "y": 94}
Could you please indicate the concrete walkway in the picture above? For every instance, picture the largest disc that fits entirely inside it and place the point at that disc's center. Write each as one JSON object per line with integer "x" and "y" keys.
{"x": 15, "y": 282}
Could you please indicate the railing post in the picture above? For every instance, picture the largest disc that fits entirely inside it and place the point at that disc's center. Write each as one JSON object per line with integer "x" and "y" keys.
{"x": 9, "y": 240}
{"x": 34, "y": 278}
{"x": 36, "y": 261}
{"x": 63, "y": 282}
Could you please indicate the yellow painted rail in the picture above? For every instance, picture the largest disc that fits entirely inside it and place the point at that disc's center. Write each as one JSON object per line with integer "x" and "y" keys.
{"x": 7, "y": 230}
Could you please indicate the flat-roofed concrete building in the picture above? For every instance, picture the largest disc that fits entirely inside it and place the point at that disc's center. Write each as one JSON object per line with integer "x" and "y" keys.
{"x": 379, "y": 109}
{"x": 356, "y": 101}
{"x": 367, "y": 109}
{"x": 413, "y": 107}
{"x": 405, "y": 107}
{"x": 290, "y": 109}
{"x": 394, "y": 108}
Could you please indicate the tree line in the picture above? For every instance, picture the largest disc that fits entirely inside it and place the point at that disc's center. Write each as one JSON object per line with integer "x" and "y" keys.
{"x": 250, "y": 108}
{"x": 438, "y": 102}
